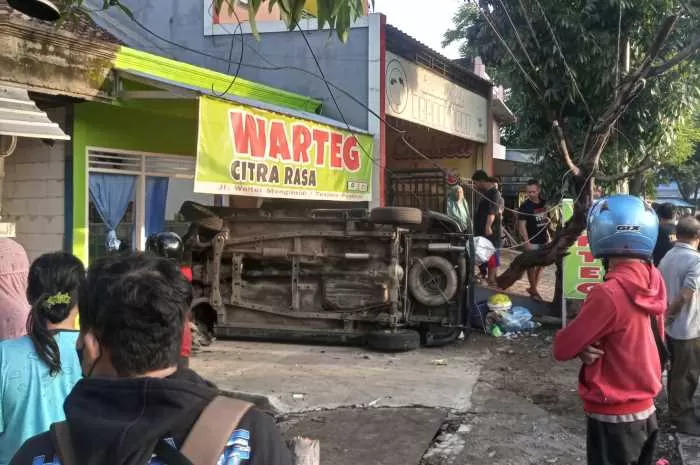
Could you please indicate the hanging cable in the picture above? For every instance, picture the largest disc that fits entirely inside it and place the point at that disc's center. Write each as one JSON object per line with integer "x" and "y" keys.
{"x": 274, "y": 67}
{"x": 239, "y": 28}
{"x": 566, "y": 64}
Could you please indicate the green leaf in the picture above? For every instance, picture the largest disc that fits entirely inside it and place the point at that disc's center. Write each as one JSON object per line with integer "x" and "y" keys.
{"x": 124, "y": 8}
{"x": 324, "y": 12}
{"x": 253, "y": 7}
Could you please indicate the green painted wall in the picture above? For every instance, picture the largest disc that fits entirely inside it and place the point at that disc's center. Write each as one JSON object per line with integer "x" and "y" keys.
{"x": 125, "y": 128}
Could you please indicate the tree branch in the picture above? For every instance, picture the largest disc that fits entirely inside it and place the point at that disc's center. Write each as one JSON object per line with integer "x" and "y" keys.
{"x": 562, "y": 241}
{"x": 688, "y": 51}
{"x": 596, "y": 141}
{"x": 564, "y": 149}
{"x": 644, "y": 165}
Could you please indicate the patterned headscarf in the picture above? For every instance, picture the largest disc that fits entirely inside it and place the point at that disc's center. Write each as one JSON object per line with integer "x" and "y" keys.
{"x": 14, "y": 308}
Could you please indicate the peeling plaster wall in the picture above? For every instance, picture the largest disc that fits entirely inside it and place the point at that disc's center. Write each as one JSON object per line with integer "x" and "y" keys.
{"x": 34, "y": 191}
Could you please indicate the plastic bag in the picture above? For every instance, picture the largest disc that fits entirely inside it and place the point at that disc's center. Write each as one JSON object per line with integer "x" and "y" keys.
{"x": 483, "y": 249}
{"x": 517, "y": 319}
{"x": 499, "y": 303}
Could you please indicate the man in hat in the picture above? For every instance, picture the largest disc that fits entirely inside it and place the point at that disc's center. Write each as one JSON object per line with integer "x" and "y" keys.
{"x": 487, "y": 218}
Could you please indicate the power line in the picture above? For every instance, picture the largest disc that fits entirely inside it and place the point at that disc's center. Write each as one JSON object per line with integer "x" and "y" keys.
{"x": 230, "y": 54}
{"x": 517, "y": 36}
{"x": 566, "y": 64}
{"x": 275, "y": 67}
{"x": 403, "y": 137}
{"x": 530, "y": 80}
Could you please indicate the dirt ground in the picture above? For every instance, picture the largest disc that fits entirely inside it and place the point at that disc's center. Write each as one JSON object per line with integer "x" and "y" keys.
{"x": 520, "y": 406}
{"x": 524, "y": 367}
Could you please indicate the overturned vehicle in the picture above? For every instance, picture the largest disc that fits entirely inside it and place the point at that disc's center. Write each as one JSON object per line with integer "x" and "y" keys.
{"x": 390, "y": 277}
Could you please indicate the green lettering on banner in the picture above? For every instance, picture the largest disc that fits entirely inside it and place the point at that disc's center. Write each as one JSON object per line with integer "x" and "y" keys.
{"x": 247, "y": 151}
{"x": 581, "y": 270}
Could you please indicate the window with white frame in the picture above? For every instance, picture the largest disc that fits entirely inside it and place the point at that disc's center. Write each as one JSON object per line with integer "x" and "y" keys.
{"x": 132, "y": 195}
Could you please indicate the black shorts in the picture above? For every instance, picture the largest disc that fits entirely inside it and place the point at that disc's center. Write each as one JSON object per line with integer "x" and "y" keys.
{"x": 621, "y": 443}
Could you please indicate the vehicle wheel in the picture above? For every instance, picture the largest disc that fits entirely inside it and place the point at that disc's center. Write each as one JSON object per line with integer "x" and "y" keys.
{"x": 396, "y": 216}
{"x": 201, "y": 336}
{"x": 202, "y": 216}
{"x": 438, "y": 336}
{"x": 433, "y": 281}
{"x": 393, "y": 340}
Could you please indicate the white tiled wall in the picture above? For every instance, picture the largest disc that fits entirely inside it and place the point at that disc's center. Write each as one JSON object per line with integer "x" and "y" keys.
{"x": 34, "y": 195}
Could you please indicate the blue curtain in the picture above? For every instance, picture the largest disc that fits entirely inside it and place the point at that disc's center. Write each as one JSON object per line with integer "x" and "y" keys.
{"x": 111, "y": 194}
{"x": 156, "y": 197}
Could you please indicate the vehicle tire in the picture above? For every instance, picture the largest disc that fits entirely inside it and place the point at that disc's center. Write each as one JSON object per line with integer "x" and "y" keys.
{"x": 202, "y": 216}
{"x": 396, "y": 216}
{"x": 443, "y": 283}
{"x": 201, "y": 336}
{"x": 393, "y": 340}
{"x": 438, "y": 336}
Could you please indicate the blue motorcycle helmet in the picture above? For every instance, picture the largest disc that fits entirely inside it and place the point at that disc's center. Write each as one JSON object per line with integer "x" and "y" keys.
{"x": 622, "y": 226}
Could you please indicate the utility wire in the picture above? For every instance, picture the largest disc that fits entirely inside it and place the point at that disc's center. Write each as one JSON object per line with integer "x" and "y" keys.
{"x": 517, "y": 36}
{"x": 403, "y": 137}
{"x": 274, "y": 67}
{"x": 239, "y": 28}
{"x": 566, "y": 64}
{"x": 529, "y": 79}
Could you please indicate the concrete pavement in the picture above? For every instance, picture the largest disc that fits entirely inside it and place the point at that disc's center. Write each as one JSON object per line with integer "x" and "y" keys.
{"x": 299, "y": 378}
{"x": 450, "y": 406}
{"x": 386, "y": 436}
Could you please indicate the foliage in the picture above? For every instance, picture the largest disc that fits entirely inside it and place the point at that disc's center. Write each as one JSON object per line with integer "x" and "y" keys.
{"x": 574, "y": 68}
{"x": 566, "y": 65}
{"x": 687, "y": 173}
{"x": 337, "y": 14}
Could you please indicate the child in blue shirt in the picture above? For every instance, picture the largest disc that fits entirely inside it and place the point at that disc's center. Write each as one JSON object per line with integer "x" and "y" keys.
{"x": 37, "y": 371}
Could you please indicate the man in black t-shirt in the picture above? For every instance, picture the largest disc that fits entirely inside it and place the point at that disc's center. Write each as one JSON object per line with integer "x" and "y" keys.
{"x": 533, "y": 225}
{"x": 667, "y": 231}
{"x": 487, "y": 218}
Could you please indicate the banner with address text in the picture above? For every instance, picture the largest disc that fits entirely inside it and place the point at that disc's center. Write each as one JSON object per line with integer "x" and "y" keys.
{"x": 247, "y": 151}
{"x": 581, "y": 270}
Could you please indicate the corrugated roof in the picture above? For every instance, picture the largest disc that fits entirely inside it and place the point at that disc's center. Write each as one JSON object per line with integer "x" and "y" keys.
{"x": 79, "y": 24}
{"x": 19, "y": 116}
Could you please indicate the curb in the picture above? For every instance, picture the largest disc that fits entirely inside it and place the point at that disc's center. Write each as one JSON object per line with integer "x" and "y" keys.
{"x": 268, "y": 404}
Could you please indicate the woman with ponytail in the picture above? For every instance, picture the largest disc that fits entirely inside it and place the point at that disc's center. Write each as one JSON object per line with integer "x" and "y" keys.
{"x": 38, "y": 371}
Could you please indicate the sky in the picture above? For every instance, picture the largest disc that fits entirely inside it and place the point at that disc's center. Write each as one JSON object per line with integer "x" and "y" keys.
{"x": 428, "y": 25}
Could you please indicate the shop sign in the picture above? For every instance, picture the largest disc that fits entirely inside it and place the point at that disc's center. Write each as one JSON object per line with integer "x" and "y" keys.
{"x": 581, "y": 270}
{"x": 247, "y": 151}
{"x": 421, "y": 96}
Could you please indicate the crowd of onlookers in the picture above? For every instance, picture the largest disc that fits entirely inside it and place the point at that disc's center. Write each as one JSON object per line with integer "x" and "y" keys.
{"x": 117, "y": 390}
{"x": 114, "y": 391}
{"x": 643, "y": 318}
{"x": 533, "y": 223}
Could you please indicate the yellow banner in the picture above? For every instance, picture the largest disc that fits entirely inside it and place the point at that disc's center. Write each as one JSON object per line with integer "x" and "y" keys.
{"x": 247, "y": 151}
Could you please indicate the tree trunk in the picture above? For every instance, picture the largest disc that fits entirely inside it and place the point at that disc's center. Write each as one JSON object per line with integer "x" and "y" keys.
{"x": 636, "y": 185}
{"x": 562, "y": 241}
{"x": 596, "y": 141}
{"x": 558, "y": 287}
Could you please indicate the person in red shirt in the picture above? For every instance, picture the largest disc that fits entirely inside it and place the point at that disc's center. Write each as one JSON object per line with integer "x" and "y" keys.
{"x": 169, "y": 245}
{"x": 618, "y": 333}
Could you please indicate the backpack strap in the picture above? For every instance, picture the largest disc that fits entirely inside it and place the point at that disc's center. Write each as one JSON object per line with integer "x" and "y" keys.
{"x": 62, "y": 443}
{"x": 212, "y": 430}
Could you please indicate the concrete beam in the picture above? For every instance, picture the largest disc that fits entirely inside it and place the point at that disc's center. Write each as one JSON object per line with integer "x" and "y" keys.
{"x": 54, "y": 62}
